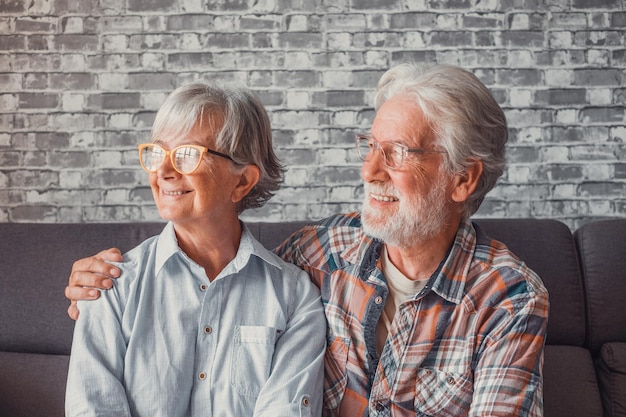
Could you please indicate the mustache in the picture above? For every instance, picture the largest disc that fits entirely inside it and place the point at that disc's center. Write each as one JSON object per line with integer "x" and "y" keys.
{"x": 381, "y": 189}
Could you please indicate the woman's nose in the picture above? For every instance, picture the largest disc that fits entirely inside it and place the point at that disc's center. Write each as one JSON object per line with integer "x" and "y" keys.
{"x": 166, "y": 169}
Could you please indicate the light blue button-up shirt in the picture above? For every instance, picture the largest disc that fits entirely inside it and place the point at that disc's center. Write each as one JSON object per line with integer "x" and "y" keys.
{"x": 164, "y": 341}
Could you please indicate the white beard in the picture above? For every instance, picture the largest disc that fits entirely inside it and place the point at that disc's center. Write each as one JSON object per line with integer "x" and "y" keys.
{"x": 416, "y": 220}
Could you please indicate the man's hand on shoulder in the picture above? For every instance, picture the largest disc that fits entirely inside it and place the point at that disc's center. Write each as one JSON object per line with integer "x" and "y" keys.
{"x": 89, "y": 275}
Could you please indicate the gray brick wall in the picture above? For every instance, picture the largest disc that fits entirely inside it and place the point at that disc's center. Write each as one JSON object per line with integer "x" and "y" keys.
{"x": 80, "y": 83}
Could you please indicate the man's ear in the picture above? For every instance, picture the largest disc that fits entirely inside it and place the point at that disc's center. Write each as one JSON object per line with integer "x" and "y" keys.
{"x": 248, "y": 178}
{"x": 465, "y": 183}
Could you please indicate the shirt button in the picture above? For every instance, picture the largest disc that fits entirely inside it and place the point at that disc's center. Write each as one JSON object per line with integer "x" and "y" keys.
{"x": 380, "y": 407}
{"x": 450, "y": 380}
{"x": 378, "y": 299}
{"x": 203, "y": 287}
{"x": 306, "y": 402}
{"x": 207, "y": 329}
{"x": 201, "y": 376}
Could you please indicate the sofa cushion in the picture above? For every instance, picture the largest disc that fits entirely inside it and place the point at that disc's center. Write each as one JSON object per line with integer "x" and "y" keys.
{"x": 603, "y": 262}
{"x": 570, "y": 385}
{"x": 36, "y": 262}
{"x": 612, "y": 376}
{"x": 32, "y": 384}
{"x": 547, "y": 246}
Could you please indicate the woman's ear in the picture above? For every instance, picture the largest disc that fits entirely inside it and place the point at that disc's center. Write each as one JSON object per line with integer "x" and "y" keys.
{"x": 465, "y": 183}
{"x": 248, "y": 178}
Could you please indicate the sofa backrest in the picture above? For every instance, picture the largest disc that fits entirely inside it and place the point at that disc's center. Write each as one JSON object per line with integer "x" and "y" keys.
{"x": 41, "y": 272}
{"x": 603, "y": 262}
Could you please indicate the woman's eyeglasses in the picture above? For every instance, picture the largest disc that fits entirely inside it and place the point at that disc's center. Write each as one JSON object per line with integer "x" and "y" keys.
{"x": 185, "y": 158}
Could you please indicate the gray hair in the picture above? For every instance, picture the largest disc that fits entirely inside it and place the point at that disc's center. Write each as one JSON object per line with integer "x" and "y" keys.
{"x": 463, "y": 115}
{"x": 242, "y": 129}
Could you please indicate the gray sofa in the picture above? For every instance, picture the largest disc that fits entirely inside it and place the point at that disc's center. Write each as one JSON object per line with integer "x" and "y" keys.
{"x": 584, "y": 271}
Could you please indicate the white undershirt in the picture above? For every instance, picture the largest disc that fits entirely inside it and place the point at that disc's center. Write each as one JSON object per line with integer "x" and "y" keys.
{"x": 401, "y": 289}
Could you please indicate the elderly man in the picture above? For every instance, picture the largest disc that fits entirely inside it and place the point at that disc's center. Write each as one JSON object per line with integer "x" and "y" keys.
{"x": 426, "y": 314}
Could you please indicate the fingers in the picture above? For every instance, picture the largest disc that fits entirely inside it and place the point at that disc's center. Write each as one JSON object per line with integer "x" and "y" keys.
{"x": 112, "y": 254}
{"x": 95, "y": 271}
{"x": 72, "y": 310}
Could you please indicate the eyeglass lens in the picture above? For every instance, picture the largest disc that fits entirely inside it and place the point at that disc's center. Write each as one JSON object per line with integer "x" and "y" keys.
{"x": 392, "y": 154}
{"x": 186, "y": 159}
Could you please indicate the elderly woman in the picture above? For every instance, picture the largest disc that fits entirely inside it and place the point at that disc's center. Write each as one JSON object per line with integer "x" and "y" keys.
{"x": 204, "y": 321}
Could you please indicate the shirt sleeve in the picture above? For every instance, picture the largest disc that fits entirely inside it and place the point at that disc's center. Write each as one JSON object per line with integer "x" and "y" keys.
{"x": 96, "y": 370}
{"x": 295, "y": 384}
{"x": 508, "y": 375}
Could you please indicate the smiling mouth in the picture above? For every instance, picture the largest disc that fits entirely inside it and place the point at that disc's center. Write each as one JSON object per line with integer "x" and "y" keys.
{"x": 174, "y": 193}
{"x": 384, "y": 198}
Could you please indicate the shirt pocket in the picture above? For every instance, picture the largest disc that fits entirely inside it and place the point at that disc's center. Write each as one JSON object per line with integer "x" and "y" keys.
{"x": 440, "y": 393}
{"x": 335, "y": 371}
{"x": 253, "y": 348}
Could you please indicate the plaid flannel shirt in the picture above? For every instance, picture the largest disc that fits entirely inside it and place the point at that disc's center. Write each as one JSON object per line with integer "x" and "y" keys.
{"x": 469, "y": 344}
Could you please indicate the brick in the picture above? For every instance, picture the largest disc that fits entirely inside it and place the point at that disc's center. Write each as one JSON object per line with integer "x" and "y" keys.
{"x": 73, "y": 81}
{"x": 593, "y": 153}
{"x": 412, "y": 20}
{"x": 568, "y": 20}
{"x": 64, "y": 7}
{"x": 601, "y": 189}
{"x": 425, "y": 57}
{"x": 593, "y": 4}
{"x": 339, "y": 99}
{"x": 43, "y": 213}
{"x": 151, "y": 6}
{"x": 9, "y": 159}
{"x": 377, "y": 40}
{"x": 114, "y": 101}
{"x": 151, "y": 81}
{"x": 618, "y": 19}
{"x": 490, "y": 21}
{"x": 13, "y": 6}
{"x": 343, "y": 22}
{"x": 599, "y": 38}
{"x": 293, "y": 157}
{"x": 603, "y": 115}
{"x": 188, "y": 61}
{"x": 141, "y": 194}
{"x": 296, "y": 78}
{"x": 33, "y": 179}
{"x": 271, "y": 98}
{"x": 561, "y": 97}
{"x": 72, "y": 24}
{"x": 561, "y": 39}
{"x": 69, "y": 159}
{"x": 300, "y": 40}
{"x": 74, "y": 42}
{"x": 454, "y": 39}
{"x": 264, "y": 23}
{"x": 38, "y": 101}
{"x": 518, "y": 77}
{"x": 12, "y": 42}
{"x": 376, "y": 5}
{"x": 35, "y": 24}
{"x": 152, "y": 41}
{"x": 529, "y": 39}
{"x": 565, "y": 172}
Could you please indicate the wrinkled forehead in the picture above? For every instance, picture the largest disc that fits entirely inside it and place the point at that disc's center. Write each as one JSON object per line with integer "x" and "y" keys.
{"x": 401, "y": 119}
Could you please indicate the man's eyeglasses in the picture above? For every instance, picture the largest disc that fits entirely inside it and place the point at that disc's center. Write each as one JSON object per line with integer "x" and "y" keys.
{"x": 394, "y": 154}
{"x": 185, "y": 158}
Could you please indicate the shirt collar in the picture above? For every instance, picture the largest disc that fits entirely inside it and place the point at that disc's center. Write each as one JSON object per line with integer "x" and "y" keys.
{"x": 167, "y": 246}
{"x": 449, "y": 279}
